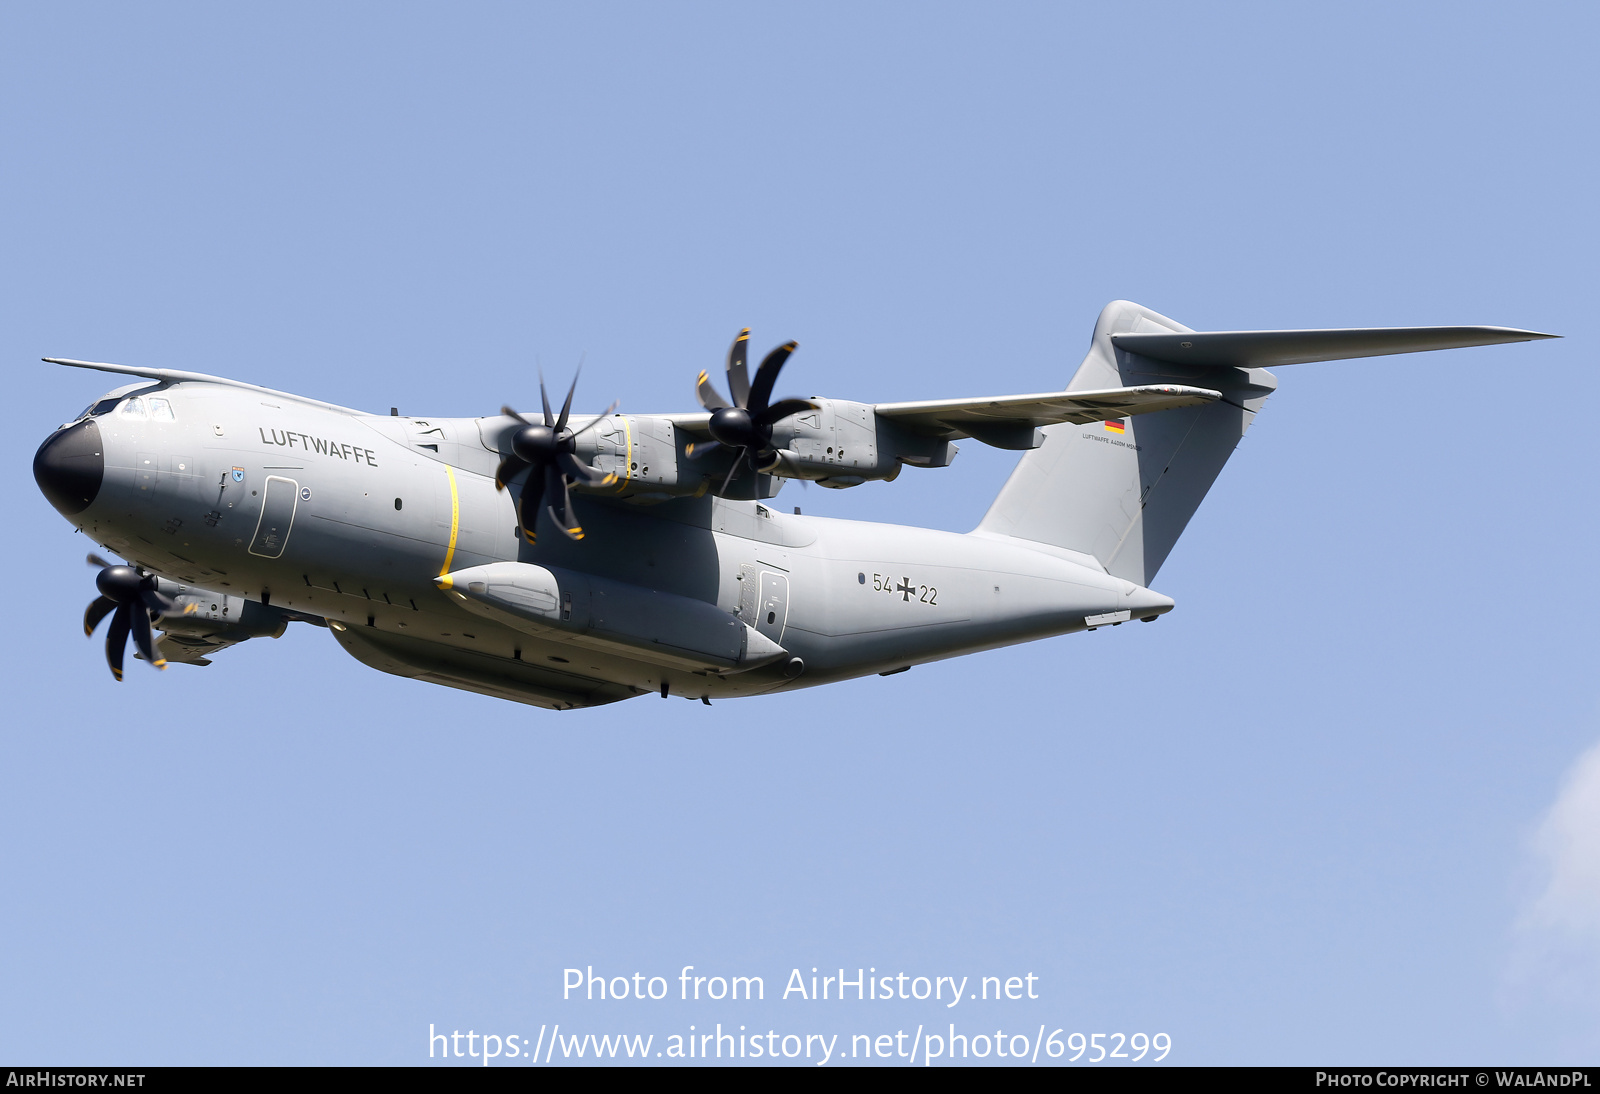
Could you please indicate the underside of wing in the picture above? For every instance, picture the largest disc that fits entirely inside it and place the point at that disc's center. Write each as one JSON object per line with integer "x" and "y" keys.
{"x": 1268, "y": 348}
{"x": 189, "y": 649}
{"x": 697, "y": 424}
{"x": 954, "y": 418}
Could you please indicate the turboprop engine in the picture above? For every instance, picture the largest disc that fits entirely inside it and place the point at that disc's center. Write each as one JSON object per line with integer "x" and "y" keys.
{"x": 840, "y": 444}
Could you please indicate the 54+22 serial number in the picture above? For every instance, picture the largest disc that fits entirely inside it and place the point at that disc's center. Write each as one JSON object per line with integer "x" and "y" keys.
{"x": 906, "y": 589}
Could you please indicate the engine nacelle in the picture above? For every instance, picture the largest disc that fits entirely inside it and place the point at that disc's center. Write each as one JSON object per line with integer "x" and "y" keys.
{"x": 842, "y": 444}
{"x": 648, "y": 456}
{"x": 837, "y": 445}
{"x": 201, "y": 613}
{"x": 645, "y": 455}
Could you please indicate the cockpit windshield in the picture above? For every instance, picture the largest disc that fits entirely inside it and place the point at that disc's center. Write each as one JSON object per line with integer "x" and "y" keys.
{"x": 140, "y": 408}
{"x": 100, "y": 406}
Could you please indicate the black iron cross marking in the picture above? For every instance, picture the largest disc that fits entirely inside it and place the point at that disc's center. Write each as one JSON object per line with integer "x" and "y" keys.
{"x": 906, "y": 589}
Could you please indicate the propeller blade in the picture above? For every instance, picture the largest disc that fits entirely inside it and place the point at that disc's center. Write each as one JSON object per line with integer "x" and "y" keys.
{"x": 581, "y": 472}
{"x": 528, "y": 506}
{"x": 566, "y": 407}
{"x": 709, "y": 397}
{"x": 96, "y": 560}
{"x": 509, "y": 468}
{"x": 738, "y": 375}
{"x": 557, "y": 485}
{"x": 696, "y": 449}
{"x": 767, "y": 376}
{"x": 116, "y": 639}
{"x": 603, "y": 415}
{"x": 734, "y": 470}
{"x": 781, "y": 410}
{"x": 99, "y": 608}
{"x": 157, "y": 601}
{"x": 144, "y": 639}
{"x": 552, "y": 468}
{"x": 508, "y": 412}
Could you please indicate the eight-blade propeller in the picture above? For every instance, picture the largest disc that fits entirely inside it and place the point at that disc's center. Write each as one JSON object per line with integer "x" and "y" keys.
{"x": 547, "y": 448}
{"x": 747, "y": 424}
{"x": 132, "y": 597}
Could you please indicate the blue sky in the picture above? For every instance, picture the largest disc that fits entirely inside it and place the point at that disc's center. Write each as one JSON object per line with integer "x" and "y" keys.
{"x": 1339, "y": 807}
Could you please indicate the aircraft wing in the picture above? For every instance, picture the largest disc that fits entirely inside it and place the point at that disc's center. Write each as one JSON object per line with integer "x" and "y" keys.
{"x": 188, "y": 638}
{"x": 952, "y": 418}
{"x": 188, "y": 649}
{"x": 695, "y": 423}
{"x": 1269, "y": 348}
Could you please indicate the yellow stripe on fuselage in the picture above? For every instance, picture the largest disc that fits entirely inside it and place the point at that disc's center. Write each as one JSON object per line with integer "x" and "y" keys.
{"x": 627, "y": 457}
{"x": 455, "y": 520}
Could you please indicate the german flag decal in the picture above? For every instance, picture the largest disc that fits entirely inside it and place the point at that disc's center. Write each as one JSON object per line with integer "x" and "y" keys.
{"x": 1116, "y": 426}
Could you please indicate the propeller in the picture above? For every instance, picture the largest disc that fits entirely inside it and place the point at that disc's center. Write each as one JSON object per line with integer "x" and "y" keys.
{"x": 546, "y": 448}
{"x": 746, "y": 424}
{"x": 132, "y": 597}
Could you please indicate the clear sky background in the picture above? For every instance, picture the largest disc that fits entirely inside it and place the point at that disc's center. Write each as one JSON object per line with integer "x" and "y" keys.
{"x": 1339, "y": 807}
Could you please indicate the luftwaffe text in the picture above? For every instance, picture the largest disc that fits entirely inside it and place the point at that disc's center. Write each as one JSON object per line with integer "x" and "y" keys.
{"x": 320, "y": 445}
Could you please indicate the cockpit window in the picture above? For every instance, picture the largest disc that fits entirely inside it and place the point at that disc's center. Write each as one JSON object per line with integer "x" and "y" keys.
{"x": 160, "y": 410}
{"x": 103, "y": 406}
{"x": 132, "y": 408}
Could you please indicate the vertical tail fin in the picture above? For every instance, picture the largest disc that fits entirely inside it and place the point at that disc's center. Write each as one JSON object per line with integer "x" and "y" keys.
{"x": 1123, "y": 492}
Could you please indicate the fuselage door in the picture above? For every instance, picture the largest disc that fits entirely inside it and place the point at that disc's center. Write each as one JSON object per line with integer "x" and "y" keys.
{"x": 277, "y": 515}
{"x": 774, "y": 605}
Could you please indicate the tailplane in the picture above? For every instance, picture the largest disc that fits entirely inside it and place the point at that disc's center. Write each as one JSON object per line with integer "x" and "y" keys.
{"x": 1124, "y": 490}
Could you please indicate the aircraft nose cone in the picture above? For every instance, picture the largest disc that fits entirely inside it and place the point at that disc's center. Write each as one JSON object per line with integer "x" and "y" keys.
{"x": 69, "y": 467}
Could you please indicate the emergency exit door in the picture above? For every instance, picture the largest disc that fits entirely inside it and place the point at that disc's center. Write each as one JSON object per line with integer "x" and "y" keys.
{"x": 277, "y": 516}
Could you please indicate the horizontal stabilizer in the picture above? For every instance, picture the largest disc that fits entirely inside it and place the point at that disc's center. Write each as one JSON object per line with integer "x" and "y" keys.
{"x": 954, "y": 418}
{"x": 1266, "y": 348}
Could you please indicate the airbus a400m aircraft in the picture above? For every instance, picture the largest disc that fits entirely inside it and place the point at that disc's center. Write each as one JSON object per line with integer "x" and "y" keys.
{"x": 569, "y": 561}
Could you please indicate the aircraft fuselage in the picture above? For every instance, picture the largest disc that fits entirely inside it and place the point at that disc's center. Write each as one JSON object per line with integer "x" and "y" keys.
{"x": 356, "y": 518}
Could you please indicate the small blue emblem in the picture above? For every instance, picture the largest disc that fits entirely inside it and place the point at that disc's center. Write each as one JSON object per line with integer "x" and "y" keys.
{"x": 238, "y": 474}
{"x": 305, "y": 493}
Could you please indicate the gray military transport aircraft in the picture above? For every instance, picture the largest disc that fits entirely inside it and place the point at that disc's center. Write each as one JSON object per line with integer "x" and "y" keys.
{"x": 451, "y": 549}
